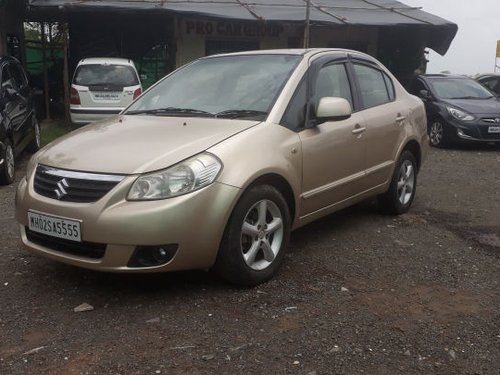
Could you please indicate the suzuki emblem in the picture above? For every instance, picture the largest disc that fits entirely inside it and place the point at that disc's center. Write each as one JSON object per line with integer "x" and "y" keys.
{"x": 61, "y": 188}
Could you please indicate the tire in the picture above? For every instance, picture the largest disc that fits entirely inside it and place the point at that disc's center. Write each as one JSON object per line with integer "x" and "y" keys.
{"x": 252, "y": 249}
{"x": 437, "y": 133}
{"x": 35, "y": 143}
{"x": 398, "y": 199}
{"x": 8, "y": 169}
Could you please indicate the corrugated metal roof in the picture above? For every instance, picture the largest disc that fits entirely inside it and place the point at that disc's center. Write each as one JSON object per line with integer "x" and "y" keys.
{"x": 336, "y": 12}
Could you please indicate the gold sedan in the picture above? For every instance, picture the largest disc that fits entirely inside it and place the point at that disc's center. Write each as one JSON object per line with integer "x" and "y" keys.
{"x": 214, "y": 165}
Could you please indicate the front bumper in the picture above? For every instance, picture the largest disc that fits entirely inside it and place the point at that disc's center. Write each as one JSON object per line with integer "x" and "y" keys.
{"x": 474, "y": 131}
{"x": 194, "y": 222}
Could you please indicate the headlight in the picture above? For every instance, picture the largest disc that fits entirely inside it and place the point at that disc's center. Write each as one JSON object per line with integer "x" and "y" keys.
{"x": 459, "y": 115}
{"x": 183, "y": 178}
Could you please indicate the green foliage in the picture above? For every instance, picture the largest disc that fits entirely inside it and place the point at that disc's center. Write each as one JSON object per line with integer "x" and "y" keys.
{"x": 51, "y": 130}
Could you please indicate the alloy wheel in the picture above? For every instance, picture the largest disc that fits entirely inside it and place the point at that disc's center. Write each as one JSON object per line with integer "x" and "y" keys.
{"x": 262, "y": 234}
{"x": 436, "y": 133}
{"x": 406, "y": 182}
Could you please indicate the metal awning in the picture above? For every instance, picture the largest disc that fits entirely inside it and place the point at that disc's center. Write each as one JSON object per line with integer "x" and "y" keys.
{"x": 378, "y": 13}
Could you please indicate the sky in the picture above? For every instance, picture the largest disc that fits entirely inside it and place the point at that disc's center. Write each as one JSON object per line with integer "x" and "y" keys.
{"x": 474, "y": 48}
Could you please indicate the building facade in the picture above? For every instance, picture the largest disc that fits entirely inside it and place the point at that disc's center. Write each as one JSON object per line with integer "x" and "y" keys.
{"x": 12, "y": 14}
{"x": 161, "y": 36}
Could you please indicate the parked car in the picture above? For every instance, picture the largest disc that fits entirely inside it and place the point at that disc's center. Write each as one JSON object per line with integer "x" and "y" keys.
{"x": 458, "y": 109}
{"x": 214, "y": 165}
{"x": 101, "y": 88}
{"x": 19, "y": 129}
{"x": 490, "y": 81}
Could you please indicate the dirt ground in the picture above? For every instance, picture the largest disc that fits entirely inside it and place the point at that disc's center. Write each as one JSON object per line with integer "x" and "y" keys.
{"x": 359, "y": 293}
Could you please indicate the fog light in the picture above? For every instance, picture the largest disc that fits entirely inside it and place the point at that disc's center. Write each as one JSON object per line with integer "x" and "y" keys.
{"x": 152, "y": 256}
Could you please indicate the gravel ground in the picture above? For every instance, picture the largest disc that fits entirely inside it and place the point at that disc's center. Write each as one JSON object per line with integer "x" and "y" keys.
{"x": 359, "y": 293}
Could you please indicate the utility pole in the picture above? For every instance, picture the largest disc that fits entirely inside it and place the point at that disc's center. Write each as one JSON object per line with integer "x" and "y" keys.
{"x": 497, "y": 56}
{"x": 67, "y": 118}
{"x": 308, "y": 24}
{"x": 46, "y": 88}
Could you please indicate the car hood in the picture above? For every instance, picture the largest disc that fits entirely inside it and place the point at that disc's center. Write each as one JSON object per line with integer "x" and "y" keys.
{"x": 476, "y": 106}
{"x": 137, "y": 144}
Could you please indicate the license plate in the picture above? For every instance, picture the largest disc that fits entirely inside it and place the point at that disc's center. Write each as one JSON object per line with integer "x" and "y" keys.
{"x": 106, "y": 95}
{"x": 54, "y": 226}
{"x": 494, "y": 129}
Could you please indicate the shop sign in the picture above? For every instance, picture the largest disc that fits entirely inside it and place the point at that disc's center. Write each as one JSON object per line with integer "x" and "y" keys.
{"x": 233, "y": 29}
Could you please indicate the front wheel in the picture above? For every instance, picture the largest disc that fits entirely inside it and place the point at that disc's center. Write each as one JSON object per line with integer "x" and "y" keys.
{"x": 437, "y": 133}
{"x": 255, "y": 238}
{"x": 399, "y": 197}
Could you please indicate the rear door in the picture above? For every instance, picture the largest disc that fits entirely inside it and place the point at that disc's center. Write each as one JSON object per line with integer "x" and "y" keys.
{"x": 384, "y": 118}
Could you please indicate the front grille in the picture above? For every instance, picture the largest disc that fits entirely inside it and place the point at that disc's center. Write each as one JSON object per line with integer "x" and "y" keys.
{"x": 82, "y": 249}
{"x": 492, "y": 120}
{"x": 71, "y": 186}
{"x": 483, "y": 129}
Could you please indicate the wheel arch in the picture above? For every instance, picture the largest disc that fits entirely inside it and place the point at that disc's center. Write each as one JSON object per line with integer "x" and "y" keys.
{"x": 279, "y": 183}
{"x": 414, "y": 147}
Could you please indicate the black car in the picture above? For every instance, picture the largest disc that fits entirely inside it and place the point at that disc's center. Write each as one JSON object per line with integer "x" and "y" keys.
{"x": 458, "y": 109}
{"x": 490, "y": 81}
{"x": 19, "y": 129}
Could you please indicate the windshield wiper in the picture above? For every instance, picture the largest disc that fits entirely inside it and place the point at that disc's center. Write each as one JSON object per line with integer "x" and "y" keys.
{"x": 170, "y": 111}
{"x": 235, "y": 113}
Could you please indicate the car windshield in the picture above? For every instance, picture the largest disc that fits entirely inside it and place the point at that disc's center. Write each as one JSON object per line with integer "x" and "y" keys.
{"x": 457, "y": 88}
{"x": 98, "y": 74}
{"x": 243, "y": 86}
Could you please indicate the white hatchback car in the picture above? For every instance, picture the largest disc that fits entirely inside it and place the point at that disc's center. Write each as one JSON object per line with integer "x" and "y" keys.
{"x": 102, "y": 87}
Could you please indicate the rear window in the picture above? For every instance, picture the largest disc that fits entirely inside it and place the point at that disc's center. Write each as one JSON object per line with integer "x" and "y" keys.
{"x": 97, "y": 75}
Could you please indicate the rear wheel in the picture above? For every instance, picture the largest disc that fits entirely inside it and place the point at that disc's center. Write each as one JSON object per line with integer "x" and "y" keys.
{"x": 7, "y": 170}
{"x": 401, "y": 193}
{"x": 256, "y": 237}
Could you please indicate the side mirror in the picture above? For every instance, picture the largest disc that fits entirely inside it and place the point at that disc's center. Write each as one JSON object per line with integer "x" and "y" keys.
{"x": 335, "y": 109}
{"x": 424, "y": 94}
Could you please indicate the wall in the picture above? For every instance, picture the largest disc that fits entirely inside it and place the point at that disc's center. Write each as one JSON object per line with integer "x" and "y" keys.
{"x": 361, "y": 38}
{"x": 11, "y": 23}
{"x": 192, "y": 36}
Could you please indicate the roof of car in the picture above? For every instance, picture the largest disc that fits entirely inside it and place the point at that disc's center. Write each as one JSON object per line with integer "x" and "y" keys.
{"x": 297, "y": 52}
{"x": 445, "y": 76}
{"x": 484, "y": 75}
{"x": 106, "y": 60}
{"x": 8, "y": 57}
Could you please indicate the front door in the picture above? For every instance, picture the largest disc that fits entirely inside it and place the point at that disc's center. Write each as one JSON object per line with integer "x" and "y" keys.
{"x": 334, "y": 151}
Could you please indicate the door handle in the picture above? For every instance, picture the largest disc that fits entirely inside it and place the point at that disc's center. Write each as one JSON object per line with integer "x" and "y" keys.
{"x": 400, "y": 118}
{"x": 358, "y": 129}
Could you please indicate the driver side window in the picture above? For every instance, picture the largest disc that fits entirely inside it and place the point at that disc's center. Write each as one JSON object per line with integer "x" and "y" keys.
{"x": 332, "y": 81}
